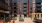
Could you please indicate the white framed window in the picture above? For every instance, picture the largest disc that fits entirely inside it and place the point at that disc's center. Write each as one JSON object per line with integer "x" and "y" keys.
{"x": 25, "y": 8}
{"x": 33, "y": 8}
{"x": 41, "y": 8}
{"x": 33, "y": 5}
{"x": 33, "y": 1}
{"x": 38, "y": 4}
{"x": 41, "y": 3}
{"x": 25, "y": 12}
{"x": 21, "y": 9}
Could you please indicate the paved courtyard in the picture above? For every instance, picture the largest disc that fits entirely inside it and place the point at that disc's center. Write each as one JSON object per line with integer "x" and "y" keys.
{"x": 26, "y": 20}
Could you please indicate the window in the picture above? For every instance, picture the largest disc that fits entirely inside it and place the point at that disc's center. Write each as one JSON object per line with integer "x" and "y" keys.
{"x": 15, "y": 15}
{"x": 41, "y": 15}
{"x": 25, "y": 3}
{"x": 15, "y": 12}
{"x": 38, "y": 15}
{"x": 38, "y": 7}
{"x": 25, "y": 12}
{"x": 7, "y": 17}
{"x": 15, "y": 8}
{"x": 33, "y": 5}
{"x": 25, "y": 7}
{"x": 41, "y": 3}
{"x": 21, "y": 8}
{"x": 25, "y": 15}
{"x": 1, "y": 16}
{"x": 41, "y": 7}
{"x": 30, "y": 8}
{"x": 38, "y": 4}
{"x": 38, "y": 10}
{"x": 35, "y": 16}
{"x": 15, "y": 4}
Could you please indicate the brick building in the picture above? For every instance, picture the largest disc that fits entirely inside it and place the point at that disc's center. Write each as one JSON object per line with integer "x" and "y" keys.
{"x": 31, "y": 8}
{"x": 17, "y": 7}
{"x": 37, "y": 9}
{"x": 22, "y": 7}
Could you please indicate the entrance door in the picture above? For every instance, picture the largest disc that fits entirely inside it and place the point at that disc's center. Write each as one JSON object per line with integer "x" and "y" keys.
{"x": 25, "y": 15}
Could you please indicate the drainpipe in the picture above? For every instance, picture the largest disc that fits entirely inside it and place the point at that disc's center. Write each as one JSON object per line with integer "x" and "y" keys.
{"x": 28, "y": 8}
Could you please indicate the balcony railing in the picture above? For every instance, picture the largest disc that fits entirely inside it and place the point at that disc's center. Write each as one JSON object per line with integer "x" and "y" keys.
{"x": 36, "y": 15}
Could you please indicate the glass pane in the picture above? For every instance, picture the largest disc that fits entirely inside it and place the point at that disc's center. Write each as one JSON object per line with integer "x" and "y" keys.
{"x": 38, "y": 8}
{"x": 25, "y": 8}
{"x": 25, "y": 3}
{"x": 21, "y": 9}
{"x": 15, "y": 4}
{"x": 25, "y": 15}
{"x": 25, "y": 12}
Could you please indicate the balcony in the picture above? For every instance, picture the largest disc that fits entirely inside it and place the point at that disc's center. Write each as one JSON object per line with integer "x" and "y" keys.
{"x": 21, "y": 9}
{"x": 25, "y": 5}
{"x": 25, "y": 8}
{"x": 38, "y": 1}
{"x": 38, "y": 4}
{"x": 25, "y": 12}
{"x": 15, "y": 4}
{"x": 36, "y": 15}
